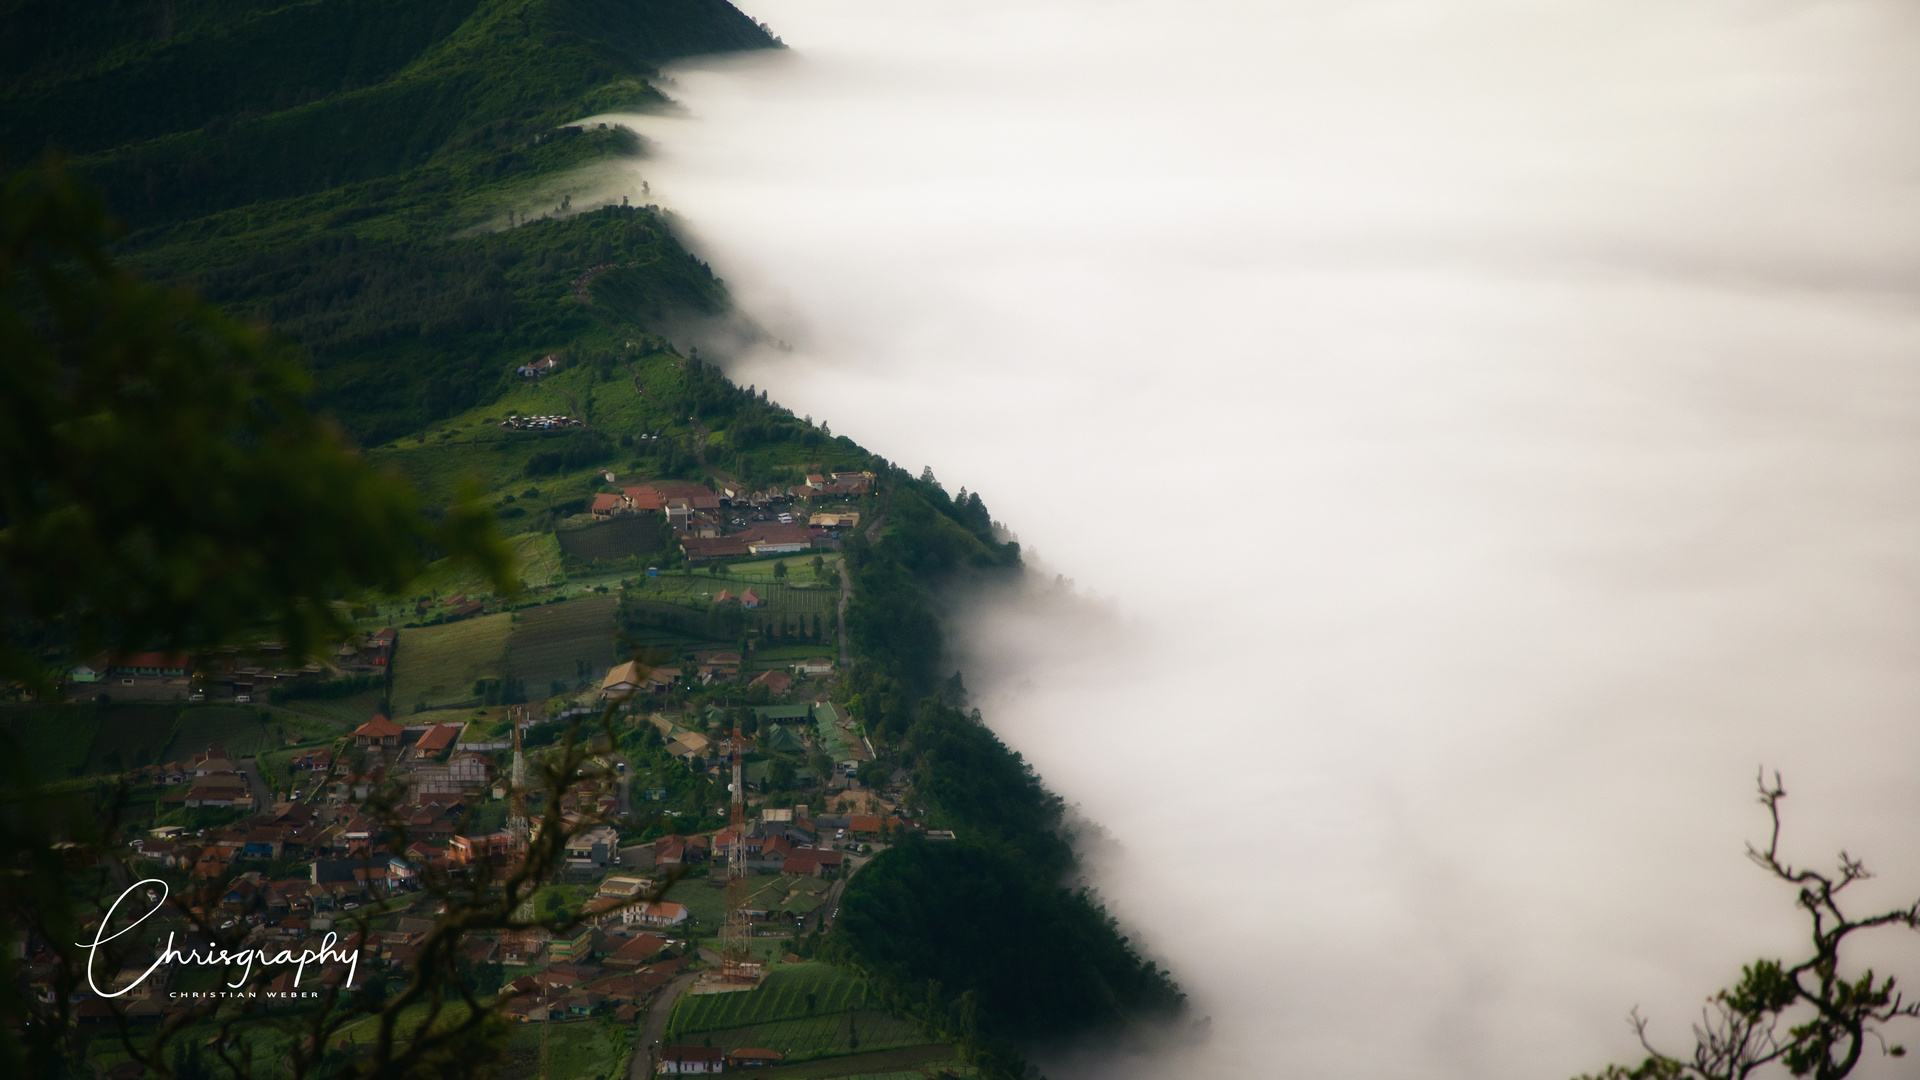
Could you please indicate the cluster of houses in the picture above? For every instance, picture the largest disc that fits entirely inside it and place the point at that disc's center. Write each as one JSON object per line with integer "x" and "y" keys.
{"x": 699, "y": 516}
{"x": 630, "y": 680}
{"x": 209, "y": 778}
{"x": 541, "y": 423}
{"x": 242, "y": 675}
{"x": 296, "y": 869}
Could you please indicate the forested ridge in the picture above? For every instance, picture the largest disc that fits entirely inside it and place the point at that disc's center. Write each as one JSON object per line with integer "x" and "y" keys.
{"x": 380, "y": 182}
{"x": 983, "y": 934}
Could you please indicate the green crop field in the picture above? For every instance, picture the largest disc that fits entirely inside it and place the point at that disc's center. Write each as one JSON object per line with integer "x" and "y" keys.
{"x": 621, "y": 538}
{"x": 768, "y": 892}
{"x": 798, "y": 992}
{"x": 577, "y": 1049}
{"x": 568, "y": 641}
{"x": 440, "y": 664}
{"x": 237, "y": 727}
{"x": 340, "y": 713}
{"x": 799, "y": 570}
{"x": 56, "y": 739}
{"x": 536, "y": 561}
{"x": 130, "y": 736}
{"x": 825, "y": 1035}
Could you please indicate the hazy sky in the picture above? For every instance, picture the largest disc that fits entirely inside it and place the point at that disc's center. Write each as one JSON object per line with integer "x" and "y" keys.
{"x": 1480, "y": 434}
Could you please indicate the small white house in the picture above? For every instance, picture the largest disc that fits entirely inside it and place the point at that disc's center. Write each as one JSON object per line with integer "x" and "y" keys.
{"x": 692, "y": 1059}
{"x": 661, "y": 913}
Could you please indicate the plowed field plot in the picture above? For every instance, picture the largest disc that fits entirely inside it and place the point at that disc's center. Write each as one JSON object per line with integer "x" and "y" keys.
{"x": 564, "y": 642}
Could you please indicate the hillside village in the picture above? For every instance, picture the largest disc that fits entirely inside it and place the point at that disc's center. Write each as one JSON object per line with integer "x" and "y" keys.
{"x": 671, "y": 630}
{"x": 320, "y": 827}
{"x": 595, "y": 620}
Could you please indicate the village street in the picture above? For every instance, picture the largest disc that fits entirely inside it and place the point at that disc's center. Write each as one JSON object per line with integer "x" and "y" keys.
{"x": 654, "y": 1026}
{"x": 257, "y": 787}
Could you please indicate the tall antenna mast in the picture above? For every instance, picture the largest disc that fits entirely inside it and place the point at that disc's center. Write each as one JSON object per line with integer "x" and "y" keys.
{"x": 735, "y": 954}
{"x": 517, "y": 792}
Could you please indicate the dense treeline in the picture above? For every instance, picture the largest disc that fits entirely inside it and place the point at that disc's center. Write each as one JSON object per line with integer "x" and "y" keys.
{"x": 211, "y": 67}
{"x": 928, "y": 539}
{"x": 251, "y": 101}
{"x": 1034, "y": 962}
{"x": 981, "y": 937}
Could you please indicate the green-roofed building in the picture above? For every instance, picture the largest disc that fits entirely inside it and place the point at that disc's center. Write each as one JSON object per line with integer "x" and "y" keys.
{"x": 784, "y": 714}
{"x": 834, "y": 739}
{"x": 781, "y": 740}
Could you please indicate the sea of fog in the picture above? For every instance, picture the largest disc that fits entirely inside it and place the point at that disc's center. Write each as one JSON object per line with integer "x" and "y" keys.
{"x": 1470, "y": 437}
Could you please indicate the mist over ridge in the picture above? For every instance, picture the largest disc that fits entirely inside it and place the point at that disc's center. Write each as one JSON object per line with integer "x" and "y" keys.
{"x": 1490, "y": 431}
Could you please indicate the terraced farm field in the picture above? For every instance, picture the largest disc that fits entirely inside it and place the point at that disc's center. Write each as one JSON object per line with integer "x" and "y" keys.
{"x": 808, "y": 992}
{"x": 568, "y": 642}
{"x": 439, "y": 664}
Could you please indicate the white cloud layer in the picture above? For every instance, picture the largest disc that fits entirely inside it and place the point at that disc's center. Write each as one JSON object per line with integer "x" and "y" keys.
{"x": 1493, "y": 430}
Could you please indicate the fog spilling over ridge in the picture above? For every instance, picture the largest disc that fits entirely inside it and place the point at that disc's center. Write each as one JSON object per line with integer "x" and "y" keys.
{"x": 1479, "y": 435}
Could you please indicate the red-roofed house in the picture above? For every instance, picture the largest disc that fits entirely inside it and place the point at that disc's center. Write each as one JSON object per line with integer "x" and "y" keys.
{"x": 814, "y": 861}
{"x": 435, "y": 740}
{"x": 636, "y": 951}
{"x": 776, "y": 682}
{"x": 150, "y": 663}
{"x": 661, "y": 913}
{"x": 378, "y": 731}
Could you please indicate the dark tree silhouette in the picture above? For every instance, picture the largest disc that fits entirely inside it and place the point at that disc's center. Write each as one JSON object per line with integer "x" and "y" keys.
{"x": 1806, "y": 1016}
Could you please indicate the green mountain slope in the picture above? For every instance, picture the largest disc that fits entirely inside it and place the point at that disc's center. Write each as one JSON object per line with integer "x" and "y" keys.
{"x": 345, "y": 169}
{"x": 388, "y": 183}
